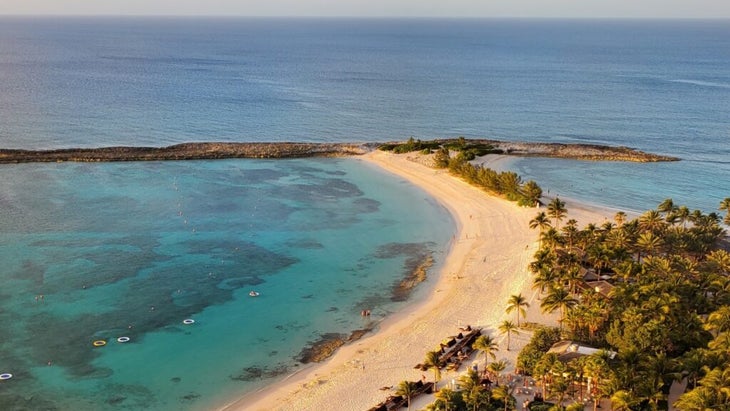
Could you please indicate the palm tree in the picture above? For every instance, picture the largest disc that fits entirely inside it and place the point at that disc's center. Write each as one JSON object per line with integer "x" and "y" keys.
{"x": 618, "y": 238}
{"x": 406, "y": 389}
{"x": 696, "y": 216}
{"x": 556, "y": 210}
{"x": 599, "y": 257}
{"x": 666, "y": 206}
{"x": 721, "y": 342}
{"x": 504, "y": 393}
{"x": 575, "y": 320}
{"x": 559, "y": 383}
{"x": 517, "y": 303}
{"x": 649, "y": 243}
{"x": 719, "y": 320}
{"x": 725, "y": 205}
{"x": 576, "y": 406}
{"x": 682, "y": 214}
{"x": 558, "y": 298}
{"x": 509, "y": 184}
{"x": 496, "y": 368}
{"x": 597, "y": 369}
{"x": 718, "y": 380}
{"x": 540, "y": 221}
{"x": 544, "y": 279}
{"x": 486, "y": 344}
{"x": 447, "y": 398}
{"x": 589, "y": 236}
{"x": 672, "y": 219}
{"x": 651, "y": 391}
{"x": 698, "y": 399}
{"x": 629, "y": 364}
{"x": 508, "y": 327}
{"x": 531, "y": 192}
{"x": 573, "y": 276}
{"x": 570, "y": 232}
{"x": 651, "y": 221}
{"x": 659, "y": 371}
{"x": 721, "y": 260}
{"x": 542, "y": 258}
{"x": 543, "y": 369}
{"x": 627, "y": 270}
{"x": 595, "y": 316}
{"x": 691, "y": 365}
{"x": 619, "y": 218}
{"x": 607, "y": 226}
{"x": 433, "y": 361}
{"x": 551, "y": 238}
{"x": 622, "y": 400}
{"x": 472, "y": 392}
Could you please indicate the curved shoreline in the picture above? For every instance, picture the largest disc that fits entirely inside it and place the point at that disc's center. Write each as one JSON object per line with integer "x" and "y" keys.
{"x": 222, "y": 150}
{"x": 486, "y": 263}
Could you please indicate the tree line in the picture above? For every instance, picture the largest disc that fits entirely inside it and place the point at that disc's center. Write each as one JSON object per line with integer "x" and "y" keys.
{"x": 504, "y": 184}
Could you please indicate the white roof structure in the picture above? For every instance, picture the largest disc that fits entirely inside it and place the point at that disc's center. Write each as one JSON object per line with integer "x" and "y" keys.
{"x": 567, "y": 350}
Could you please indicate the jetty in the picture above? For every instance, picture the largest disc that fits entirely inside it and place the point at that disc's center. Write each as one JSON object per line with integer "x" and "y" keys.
{"x": 224, "y": 150}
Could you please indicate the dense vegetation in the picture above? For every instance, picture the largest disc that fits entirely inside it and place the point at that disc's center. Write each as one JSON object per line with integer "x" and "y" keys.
{"x": 505, "y": 184}
{"x": 411, "y": 145}
{"x": 665, "y": 311}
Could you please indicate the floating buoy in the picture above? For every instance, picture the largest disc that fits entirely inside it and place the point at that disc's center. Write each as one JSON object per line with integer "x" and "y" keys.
{"x": 188, "y": 321}
{"x": 6, "y": 376}
{"x": 99, "y": 343}
{"x": 122, "y": 339}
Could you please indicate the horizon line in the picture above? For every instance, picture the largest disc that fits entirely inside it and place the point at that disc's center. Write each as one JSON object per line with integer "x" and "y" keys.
{"x": 373, "y": 17}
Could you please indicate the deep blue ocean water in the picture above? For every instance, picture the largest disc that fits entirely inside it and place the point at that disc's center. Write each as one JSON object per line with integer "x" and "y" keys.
{"x": 660, "y": 86}
{"x": 104, "y": 243}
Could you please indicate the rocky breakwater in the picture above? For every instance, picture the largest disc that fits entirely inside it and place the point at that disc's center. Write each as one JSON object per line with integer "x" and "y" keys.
{"x": 593, "y": 152}
{"x": 218, "y": 150}
{"x": 186, "y": 151}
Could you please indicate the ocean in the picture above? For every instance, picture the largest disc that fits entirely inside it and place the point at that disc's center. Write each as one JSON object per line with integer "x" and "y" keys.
{"x": 100, "y": 251}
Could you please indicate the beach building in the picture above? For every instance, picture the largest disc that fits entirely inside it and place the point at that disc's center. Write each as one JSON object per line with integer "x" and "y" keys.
{"x": 601, "y": 287}
{"x": 568, "y": 350}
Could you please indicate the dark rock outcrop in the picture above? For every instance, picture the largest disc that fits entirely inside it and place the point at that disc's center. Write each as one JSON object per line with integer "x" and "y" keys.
{"x": 322, "y": 349}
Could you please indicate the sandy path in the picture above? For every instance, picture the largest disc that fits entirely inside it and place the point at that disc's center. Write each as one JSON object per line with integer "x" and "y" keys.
{"x": 487, "y": 263}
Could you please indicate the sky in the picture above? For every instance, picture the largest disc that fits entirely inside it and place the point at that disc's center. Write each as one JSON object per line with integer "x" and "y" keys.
{"x": 379, "y": 8}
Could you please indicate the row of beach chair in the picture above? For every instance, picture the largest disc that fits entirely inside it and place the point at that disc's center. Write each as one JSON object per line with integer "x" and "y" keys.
{"x": 454, "y": 350}
{"x": 396, "y": 402}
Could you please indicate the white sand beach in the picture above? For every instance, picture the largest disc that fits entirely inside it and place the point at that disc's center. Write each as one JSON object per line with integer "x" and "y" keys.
{"x": 486, "y": 264}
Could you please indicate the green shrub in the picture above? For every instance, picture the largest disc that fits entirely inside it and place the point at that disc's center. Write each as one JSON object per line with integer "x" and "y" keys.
{"x": 539, "y": 344}
{"x": 442, "y": 158}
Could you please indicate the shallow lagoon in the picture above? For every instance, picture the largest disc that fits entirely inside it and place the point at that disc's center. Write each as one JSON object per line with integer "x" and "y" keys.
{"x": 99, "y": 251}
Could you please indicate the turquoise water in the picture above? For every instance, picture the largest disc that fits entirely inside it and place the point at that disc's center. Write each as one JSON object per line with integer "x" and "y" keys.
{"x": 635, "y": 187}
{"x": 133, "y": 249}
